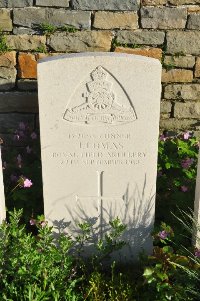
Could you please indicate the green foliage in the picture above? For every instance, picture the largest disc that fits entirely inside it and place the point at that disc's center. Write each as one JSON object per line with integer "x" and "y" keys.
{"x": 177, "y": 160}
{"x": 3, "y": 44}
{"x": 41, "y": 49}
{"x": 23, "y": 162}
{"x": 49, "y": 29}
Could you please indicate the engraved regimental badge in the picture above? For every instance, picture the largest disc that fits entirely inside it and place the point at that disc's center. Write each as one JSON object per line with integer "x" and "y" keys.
{"x": 102, "y": 105}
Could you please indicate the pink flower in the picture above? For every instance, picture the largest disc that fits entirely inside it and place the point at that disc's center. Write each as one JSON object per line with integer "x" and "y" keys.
{"x": 162, "y": 137}
{"x": 186, "y": 135}
{"x": 43, "y": 224}
{"x": 34, "y": 135}
{"x": 186, "y": 163}
{"x": 32, "y": 222}
{"x": 22, "y": 126}
{"x": 27, "y": 183}
{"x": 4, "y": 165}
{"x": 184, "y": 188}
{"x": 28, "y": 150}
{"x": 163, "y": 234}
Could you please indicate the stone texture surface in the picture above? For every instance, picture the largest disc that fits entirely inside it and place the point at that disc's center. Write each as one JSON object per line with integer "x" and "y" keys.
{"x": 182, "y": 2}
{"x": 59, "y": 3}
{"x": 177, "y": 76}
{"x": 15, "y": 3}
{"x": 12, "y": 120}
{"x": 112, "y": 139}
{"x": 187, "y": 42}
{"x": 182, "y": 92}
{"x": 153, "y": 2}
{"x": 7, "y": 78}
{"x": 194, "y": 21}
{"x": 175, "y": 124}
{"x": 27, "y": 85}
{"x": 81, "y": 41}
{"x": 180, "y": 61}
{"x": 189, "y": 109}
{"x": 8, "y": 59}
{"x": 25, "y": 30}
{"x": 193, "y": 9}
{"x": 34, "y": 17}
{"x": 105, "y": 4}
{"x": 26, "y": 42}
{"x": 197, "y": 68}
{"x": 5, "y": 20}
{"x": 141, "y": 37}
{"x": 165, "y": 107}
{"x": 110, "y": 20}
{"x": 163, "y": 18}
{"x": 155, "y": 53}
{"x": 18, "y": 102}
{"x": 27, "y": 65}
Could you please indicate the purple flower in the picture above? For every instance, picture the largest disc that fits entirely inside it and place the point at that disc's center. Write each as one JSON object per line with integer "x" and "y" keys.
{"x": 22, "y": 126}
{"x": 163, "y": 234}
{"x": 43, "y": 224}
{"x": 184, "y": 188}
{"x": 34, "y": 136}
{"x": 197, "y": 253}
{"x": 27, "y": 183}
{"x": 186, "y": 163}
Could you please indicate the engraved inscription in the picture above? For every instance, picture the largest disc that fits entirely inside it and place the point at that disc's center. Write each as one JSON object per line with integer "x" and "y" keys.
{"x": 101, "y": 105}
{"x": 100, "y": 149}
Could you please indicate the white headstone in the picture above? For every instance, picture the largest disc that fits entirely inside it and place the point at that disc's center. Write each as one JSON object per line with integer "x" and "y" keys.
{"x": 196, "y": 235}
{"x": 2, "y": 196}
{"x": 99, "y": 121}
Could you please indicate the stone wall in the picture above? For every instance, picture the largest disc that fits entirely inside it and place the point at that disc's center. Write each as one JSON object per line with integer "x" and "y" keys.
{"x": 168, "y": 30}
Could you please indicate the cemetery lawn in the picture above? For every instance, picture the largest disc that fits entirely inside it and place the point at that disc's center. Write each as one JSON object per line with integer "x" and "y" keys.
{"x": 33, "y": 266}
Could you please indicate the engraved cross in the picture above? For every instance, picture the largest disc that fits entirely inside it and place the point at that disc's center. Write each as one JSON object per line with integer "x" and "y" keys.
{"x": 99, "y": 197}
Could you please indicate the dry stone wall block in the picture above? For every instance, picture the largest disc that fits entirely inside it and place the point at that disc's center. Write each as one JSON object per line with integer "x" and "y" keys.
{"x": 7, "y": 78}
{"x": 153, "y": 2}
{"x": 197, "y": 67}
{"x": 26, "y": 42}
{"x": 81, "y": 41}
{"x": 55, "y": 3}
{"x": 155, "y": 53}
{"x": 34, "y": 17}
{"x": 8, "y": 59}
{"x": 106, "y": 4}
{"x": 182, "y": 92}
{"x": 177, "y": 76}
{"x": 163, "y": 18}
{"x": 186, "y": 42}
{"x": 27, "y": 65}
{"x": 15, "y": 3}
{"x": 5, "y": 20}
{"x": 194, "y": 21}
{"x": 141, "y": 37}
{"x": 17, "y": 102}
{"x": 118, "y": 20}
{"x": 189, "y": 109}
{"x": 179, "y": 61}
{"x": 182, "y": 2}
